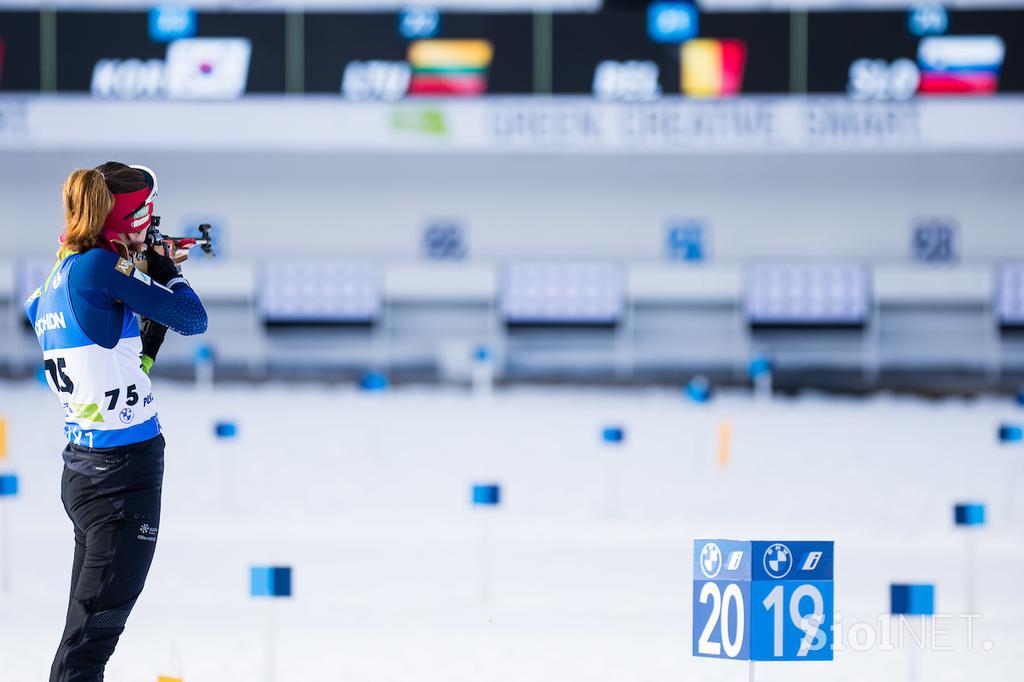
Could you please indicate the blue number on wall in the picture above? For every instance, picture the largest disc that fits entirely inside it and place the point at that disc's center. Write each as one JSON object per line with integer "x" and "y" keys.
{"x": 685, "y": 241}
{"x": 934, "y": 241}
{"x": 444, "y": 241}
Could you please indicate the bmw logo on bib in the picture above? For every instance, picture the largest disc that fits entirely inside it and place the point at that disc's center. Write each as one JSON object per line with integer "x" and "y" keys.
{"x": 126, "y": 415}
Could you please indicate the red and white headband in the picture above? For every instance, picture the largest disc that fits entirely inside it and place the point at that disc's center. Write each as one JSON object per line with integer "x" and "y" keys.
{"x": 132, "y": 211}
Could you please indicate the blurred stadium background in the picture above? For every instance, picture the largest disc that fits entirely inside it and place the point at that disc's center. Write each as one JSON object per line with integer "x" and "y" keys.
{"x": 615, "y": 197}
{"x": 833, "y": 185}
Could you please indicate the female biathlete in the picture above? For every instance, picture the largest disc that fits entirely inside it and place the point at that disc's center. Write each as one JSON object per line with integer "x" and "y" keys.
{"x": 97, "y": 357}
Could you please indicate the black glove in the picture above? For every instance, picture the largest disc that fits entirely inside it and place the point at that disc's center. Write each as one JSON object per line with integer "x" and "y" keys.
{"x": 161, "y": 268}
{"x": 153, "y": 334}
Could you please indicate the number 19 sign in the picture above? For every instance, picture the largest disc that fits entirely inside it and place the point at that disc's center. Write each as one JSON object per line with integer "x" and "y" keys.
{"x": 762, "y": 600}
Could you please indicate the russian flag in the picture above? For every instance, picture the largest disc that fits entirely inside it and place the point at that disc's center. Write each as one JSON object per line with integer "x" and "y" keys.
{"x": 960, "y": 65}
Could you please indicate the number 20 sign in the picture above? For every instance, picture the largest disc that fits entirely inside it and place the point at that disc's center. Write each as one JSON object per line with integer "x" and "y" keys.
{"x": 763, "y": 600}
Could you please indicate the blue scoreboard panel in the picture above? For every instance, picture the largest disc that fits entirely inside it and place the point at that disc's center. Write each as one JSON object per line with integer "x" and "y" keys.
{"x": 763, "y": 600}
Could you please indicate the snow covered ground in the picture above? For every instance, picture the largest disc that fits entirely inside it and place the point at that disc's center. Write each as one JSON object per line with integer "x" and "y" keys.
{"x": 367, "y": 497}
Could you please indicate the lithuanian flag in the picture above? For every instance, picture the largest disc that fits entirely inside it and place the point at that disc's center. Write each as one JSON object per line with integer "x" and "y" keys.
{"x": 713, "y": 67}
{"x": 449, "y": 67}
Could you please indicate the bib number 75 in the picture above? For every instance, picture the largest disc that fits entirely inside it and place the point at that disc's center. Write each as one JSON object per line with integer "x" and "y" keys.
{"x": 131, "y": 397}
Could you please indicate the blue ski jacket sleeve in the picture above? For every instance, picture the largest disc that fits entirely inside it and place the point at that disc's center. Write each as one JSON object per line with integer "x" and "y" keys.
{"x": 100, "y": 281}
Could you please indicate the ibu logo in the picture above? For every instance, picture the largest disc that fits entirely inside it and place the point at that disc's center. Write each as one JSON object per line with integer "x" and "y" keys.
{"x": 711, "y": 560}
{"x": 171, "y": 22}
{"x": 778, "y": 560}
{"x": 926, "y": 19}
{"x": 671, "y": 22}
{"x": 419, "y": 22}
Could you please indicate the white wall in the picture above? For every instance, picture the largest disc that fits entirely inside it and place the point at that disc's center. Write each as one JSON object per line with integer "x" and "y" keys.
{"x": 852, "y": 206}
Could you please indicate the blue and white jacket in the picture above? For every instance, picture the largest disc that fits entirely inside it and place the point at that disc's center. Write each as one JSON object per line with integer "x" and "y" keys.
{"x": 84, "y": 319}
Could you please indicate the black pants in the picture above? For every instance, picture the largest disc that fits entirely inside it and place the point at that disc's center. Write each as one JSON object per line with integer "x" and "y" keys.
{"x": 112, "y": 496}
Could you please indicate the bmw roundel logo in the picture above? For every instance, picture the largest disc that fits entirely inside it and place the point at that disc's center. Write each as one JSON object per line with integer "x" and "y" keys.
{"x": 126, "y": 415}
{"x": 778, "y": 560}
{"x": 710, "y": 560}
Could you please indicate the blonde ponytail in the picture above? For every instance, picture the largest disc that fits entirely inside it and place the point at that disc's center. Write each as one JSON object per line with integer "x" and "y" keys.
{"x": 87, "y": 201}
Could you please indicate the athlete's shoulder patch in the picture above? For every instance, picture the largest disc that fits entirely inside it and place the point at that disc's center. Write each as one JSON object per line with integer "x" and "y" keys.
{"x": 124, "y": 266}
